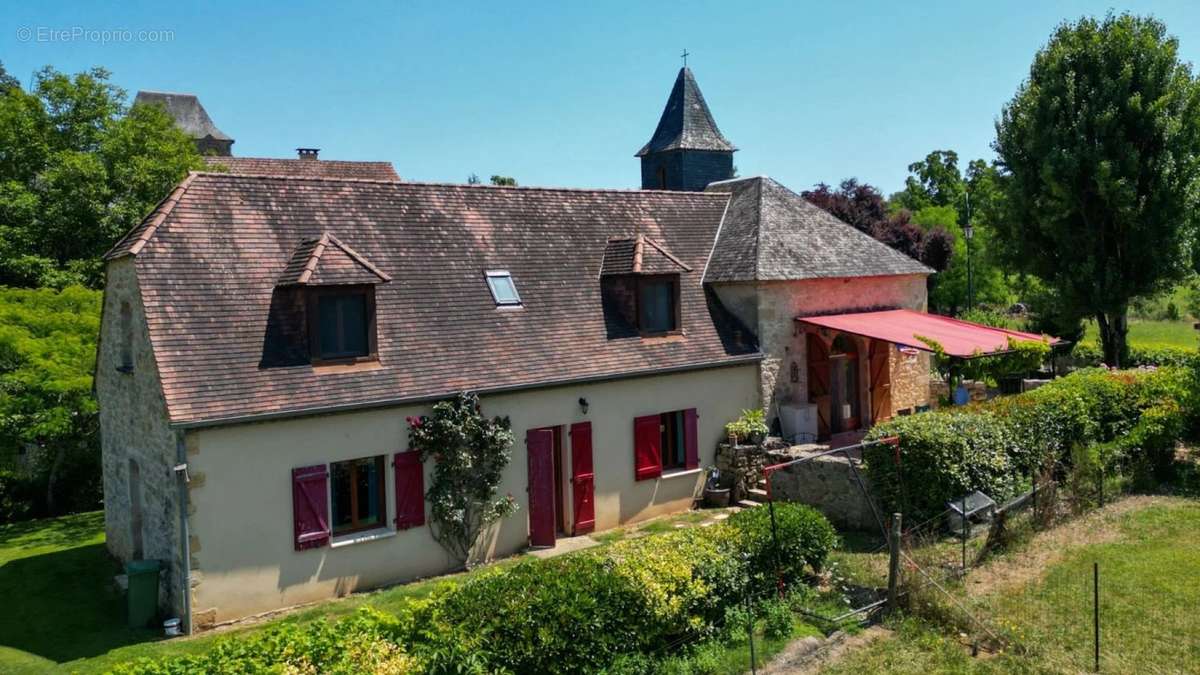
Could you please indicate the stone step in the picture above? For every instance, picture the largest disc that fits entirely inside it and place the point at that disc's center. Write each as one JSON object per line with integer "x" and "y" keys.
{"x": 762, "y": 484}
{"x": 757, "y": 495}
{"x": 747, "y": 504}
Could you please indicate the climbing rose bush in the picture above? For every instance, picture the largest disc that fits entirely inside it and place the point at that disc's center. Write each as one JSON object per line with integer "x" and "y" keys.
{"x": 470, "y": 452}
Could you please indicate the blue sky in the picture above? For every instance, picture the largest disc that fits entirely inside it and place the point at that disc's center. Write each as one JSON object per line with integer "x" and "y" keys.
{"x": 563, "y": 93}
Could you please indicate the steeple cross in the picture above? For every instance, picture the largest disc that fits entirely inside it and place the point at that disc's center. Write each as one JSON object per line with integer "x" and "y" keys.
{"x": 684, "y": 56}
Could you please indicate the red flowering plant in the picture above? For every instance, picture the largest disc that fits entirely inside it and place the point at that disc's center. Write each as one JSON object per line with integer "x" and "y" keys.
{"x": 470, "y": 452}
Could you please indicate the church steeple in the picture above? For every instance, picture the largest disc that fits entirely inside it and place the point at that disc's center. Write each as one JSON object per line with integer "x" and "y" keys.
{"x": 687, "y": 151}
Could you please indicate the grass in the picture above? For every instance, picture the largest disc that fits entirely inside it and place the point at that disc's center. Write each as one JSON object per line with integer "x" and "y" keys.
{"x": 62, "y": 610}
{"x": 1147, "y": 333}
{"x": 1149, "y": 592}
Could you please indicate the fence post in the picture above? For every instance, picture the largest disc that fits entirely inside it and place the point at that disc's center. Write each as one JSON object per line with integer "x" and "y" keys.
{"x": 750, "y": 612}
{"x": 1096, "y": 613}
{"x": 894, "y": 562}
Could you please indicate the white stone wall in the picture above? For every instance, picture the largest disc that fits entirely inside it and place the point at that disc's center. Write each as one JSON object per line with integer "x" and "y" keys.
{"x": 133, "y": 426}
{"x": 776, "y": 305}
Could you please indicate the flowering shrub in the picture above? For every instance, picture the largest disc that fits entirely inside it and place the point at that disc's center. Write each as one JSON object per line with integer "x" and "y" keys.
{"x": 470, "y": 452}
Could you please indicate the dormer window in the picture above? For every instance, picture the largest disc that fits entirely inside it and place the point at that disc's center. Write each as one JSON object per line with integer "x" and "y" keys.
{"x": 504, "y": 291}
{"x": 639, "y": 284}
{"x": 344, "y": 323}
{"x": 325, "y": 299}
{"x": 658, "y": 304}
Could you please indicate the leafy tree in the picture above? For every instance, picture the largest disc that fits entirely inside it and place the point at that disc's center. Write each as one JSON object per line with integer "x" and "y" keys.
{"x": 856, "y": 203}
{"x": 77, "y": 171}
{"x": 948, "y": 291}
{"x": 7, "y": 81}
{"x": 933, "y": 181}
{"x": 47, "y": 412}
{"x": 863, "y": 206}
{"x": 503, "y": 180}
{"x": 1103, "y": 146}
{"x": 470, "y": 452}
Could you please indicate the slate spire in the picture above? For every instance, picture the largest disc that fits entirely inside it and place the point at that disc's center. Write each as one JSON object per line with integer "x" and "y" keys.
{"x": 687, "y": 150}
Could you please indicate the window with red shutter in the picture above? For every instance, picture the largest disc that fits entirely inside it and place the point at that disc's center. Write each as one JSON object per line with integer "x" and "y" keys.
{"x": 310, "y": 506}
{"x": 410, "y": 490}
{"x": 647, "y": 447}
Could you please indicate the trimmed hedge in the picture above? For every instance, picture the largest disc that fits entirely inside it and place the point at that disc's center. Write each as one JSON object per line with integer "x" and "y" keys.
{"x": 575, "y": 613}
{"x": 996, "y": 446}
{"x": 1089, "y": 354}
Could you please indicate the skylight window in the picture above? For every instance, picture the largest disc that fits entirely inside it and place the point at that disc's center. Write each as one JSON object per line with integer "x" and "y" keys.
{"x": 504, "y": 291}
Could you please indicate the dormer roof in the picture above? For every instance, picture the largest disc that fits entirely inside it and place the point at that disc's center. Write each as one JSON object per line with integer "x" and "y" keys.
{"x": 639, "y": 255}
{"x": 326, "y": 261}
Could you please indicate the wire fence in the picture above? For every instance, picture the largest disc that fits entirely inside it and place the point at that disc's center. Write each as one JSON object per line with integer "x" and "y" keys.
{"x": 1071, "y": 613}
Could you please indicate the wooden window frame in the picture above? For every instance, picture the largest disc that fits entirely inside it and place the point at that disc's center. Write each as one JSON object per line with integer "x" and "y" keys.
{"x": 314, "y": 324}
{"x": 673, "y": 435}
{"x": 637, "y": 304}
{"x": 380, "y": 469}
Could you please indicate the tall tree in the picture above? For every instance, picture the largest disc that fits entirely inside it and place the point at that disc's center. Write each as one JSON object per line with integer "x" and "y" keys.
{"x": 1103, "y": 146}
{"x": 933, "y": 181}
{"x": 77, "y": 170}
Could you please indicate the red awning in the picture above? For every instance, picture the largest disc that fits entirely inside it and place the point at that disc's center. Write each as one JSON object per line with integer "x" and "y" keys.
{"x": 902, "y": 326}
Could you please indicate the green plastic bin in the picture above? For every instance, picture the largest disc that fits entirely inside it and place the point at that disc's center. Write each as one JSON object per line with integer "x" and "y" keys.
{"x": 143, "y": 591}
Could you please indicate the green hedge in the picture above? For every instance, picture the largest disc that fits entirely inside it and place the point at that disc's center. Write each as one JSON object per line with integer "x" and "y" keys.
{"x": 1089, "y": 354}
{"x": 996, "y": 446}
{"x": 575, "y": 613}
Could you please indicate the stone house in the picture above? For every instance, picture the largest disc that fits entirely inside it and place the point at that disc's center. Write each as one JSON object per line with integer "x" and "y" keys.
{"x": 267, "y": 330}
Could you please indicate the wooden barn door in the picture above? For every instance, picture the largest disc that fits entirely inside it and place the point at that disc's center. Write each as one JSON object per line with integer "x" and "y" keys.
{"x": 880, "y": 381}
{"x": 540, "y": 443}
{"x": 818, "y": 382}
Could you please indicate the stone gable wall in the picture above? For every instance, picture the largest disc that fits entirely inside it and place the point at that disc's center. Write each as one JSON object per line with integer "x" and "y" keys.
{"x": 133, "y": 426}
{"x": 775, "y": 305}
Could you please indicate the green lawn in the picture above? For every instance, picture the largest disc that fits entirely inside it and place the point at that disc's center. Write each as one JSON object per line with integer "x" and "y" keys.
{"x": 62, "y": 610}
{"x": 1145, "y": 333}
{"x": 1150, "y": 590}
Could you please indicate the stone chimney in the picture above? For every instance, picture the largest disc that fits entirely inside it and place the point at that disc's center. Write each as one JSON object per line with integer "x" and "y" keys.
{"x": 308, "y": 153}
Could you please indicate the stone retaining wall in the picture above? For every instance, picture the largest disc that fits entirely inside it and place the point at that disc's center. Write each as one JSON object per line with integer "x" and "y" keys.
{"x": 828, "y": 485}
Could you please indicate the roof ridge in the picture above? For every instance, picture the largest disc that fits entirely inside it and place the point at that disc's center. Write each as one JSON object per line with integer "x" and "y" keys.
{"x": 670, "y": 256}
{"x": 157, "y": 216}
{"x": 527, "y": 188}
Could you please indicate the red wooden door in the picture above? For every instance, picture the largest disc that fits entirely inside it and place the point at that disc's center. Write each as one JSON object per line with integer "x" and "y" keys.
{"x": 540, "y": 443}
{"x": 582, "y": 478}
{"x": 818, "y": 382}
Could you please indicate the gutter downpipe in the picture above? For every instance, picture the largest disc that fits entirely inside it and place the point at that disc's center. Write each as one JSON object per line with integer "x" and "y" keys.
{"x": 181, "y": 475}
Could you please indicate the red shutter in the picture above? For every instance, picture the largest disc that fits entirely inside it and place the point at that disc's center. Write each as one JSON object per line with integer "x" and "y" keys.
{"x": 647, "y": 447}
{"x": 691, "y": 447}
{"x": 540, "y": 443}
{"x": 310, "y": 506}
{"x": 582, "y": 478}
{"x": 410, "y": 489}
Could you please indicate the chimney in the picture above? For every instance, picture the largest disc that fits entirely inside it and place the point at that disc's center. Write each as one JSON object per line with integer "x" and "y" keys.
{"x": 308, "y": 153}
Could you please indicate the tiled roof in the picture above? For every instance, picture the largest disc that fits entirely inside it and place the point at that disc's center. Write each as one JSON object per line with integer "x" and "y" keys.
{"x": 314, "y": 168}
{"x": 189, "y": 115}
{"x": 771, "y": 233}
{"x": 209, "y": 259}
{"x": 640, "y": 255}
{"x": 327, "y": 261}
{"x": 686, "y": 122}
